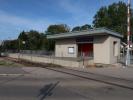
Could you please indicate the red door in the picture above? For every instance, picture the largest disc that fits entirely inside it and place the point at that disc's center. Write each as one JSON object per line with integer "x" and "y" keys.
{"x": 86, "y": 49}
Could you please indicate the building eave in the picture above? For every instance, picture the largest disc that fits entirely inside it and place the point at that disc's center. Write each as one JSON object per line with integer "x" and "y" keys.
{"x": 91, "y": 32}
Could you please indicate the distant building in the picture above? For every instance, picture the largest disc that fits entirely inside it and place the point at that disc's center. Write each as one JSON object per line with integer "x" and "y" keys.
{"x": 99, "y": 45}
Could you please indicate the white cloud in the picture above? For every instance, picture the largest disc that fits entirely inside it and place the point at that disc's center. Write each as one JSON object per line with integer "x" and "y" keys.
{"x": 71, "y": 7}
{"x": 11, "y": 19}
{"x": 12, "y": 25}
{"x": 19, "y": 22}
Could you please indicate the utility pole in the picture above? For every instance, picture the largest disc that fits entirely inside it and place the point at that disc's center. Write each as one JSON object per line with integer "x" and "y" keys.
{"x": 128, "y": 34}
{"x": 19, "y": 49}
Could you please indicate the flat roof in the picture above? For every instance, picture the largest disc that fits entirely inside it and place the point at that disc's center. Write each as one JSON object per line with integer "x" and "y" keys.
{"x": 90, "y": 32}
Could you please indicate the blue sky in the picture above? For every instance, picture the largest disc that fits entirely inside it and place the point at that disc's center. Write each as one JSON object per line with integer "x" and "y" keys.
{"x": 19, "y": 15}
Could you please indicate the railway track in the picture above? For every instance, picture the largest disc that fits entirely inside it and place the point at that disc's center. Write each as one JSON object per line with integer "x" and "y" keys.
{"x": 119, "y": 82}
{"x": 90, "y": 73}
{"x": 127, "y": 84}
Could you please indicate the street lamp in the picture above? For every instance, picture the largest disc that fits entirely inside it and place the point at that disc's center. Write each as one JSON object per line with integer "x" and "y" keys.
{"x": 23, "y": 42}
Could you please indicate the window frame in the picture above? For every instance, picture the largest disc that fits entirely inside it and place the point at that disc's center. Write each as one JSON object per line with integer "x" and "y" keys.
{"x": 71, "y": 50}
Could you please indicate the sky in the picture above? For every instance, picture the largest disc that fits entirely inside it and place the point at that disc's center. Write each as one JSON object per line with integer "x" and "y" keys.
{"x": 19, "y": 15}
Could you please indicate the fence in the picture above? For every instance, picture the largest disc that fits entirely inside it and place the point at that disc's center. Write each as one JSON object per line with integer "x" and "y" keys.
{"x": 122, "y": 59}
{"x": 37, "y": 52}
{"x": 34, "y": 52}
{"x": 63, "y": 61}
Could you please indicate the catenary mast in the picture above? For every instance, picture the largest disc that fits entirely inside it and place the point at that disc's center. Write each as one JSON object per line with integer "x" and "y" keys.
{"x": 128, "y": 34}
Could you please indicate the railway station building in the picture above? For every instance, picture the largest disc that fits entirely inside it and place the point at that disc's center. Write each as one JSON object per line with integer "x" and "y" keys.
{"x": 98, "y": 46}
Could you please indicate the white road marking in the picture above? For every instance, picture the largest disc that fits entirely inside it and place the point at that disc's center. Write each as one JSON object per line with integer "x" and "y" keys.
{"x": 11, "y": 74}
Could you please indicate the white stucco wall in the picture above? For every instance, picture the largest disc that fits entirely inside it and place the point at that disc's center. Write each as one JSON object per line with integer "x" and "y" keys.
{"x": 61, "y": 48}
{"x": 103, "y": 49}
{"x": 114, "y": 54}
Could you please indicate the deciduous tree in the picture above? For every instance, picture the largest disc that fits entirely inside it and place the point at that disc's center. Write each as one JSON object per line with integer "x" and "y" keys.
{"x": 113, "y": 17}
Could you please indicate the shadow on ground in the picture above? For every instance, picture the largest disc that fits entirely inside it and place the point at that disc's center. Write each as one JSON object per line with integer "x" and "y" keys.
{"x": 47, "y": 90}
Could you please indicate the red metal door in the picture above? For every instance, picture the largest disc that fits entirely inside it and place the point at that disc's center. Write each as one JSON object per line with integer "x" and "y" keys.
{"x": 86, "y": 49}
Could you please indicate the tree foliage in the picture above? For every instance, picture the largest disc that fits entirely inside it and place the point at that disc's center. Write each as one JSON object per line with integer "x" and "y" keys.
{"x": 31, "y": 40}
{"x": 9, "y": 45}
{"x": 113, "y": 17}
{"x": 55, "y": 29}
{"x": 80, "y": 28}
{"x": 86, "y": 27}
{"x": 77, "y": 28}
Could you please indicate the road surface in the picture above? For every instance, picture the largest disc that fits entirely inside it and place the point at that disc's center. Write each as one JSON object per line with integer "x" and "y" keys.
{"x": 34, "y": 83}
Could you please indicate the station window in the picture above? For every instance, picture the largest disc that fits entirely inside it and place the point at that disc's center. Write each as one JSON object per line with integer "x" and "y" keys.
{"x": 71, "y": 50}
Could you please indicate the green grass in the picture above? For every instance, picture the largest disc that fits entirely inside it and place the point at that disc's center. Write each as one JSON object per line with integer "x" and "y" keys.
{"x": 8, "y": 63}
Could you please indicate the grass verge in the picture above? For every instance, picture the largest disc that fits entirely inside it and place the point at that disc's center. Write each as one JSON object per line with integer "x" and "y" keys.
{"x": 8, "y": 63}
{"x": 32, "y": 64}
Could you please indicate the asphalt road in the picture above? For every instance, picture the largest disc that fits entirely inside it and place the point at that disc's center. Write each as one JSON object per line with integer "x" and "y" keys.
{"x": 32, "y": 83}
